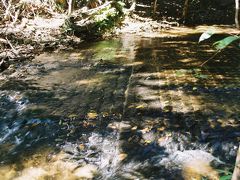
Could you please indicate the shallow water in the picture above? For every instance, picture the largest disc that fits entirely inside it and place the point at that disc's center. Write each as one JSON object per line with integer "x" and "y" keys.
{"x": 128, "y": 108}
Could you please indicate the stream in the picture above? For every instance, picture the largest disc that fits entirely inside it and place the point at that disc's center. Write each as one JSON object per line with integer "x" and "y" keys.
{"x": 126, "y": 108}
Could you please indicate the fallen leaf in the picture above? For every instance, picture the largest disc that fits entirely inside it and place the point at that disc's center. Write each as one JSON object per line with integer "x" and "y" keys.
{"x": 112, "y": 126}
{"x": 140, "y": 107}
{"x": 134, "y": 128}
{"x": 168, "y": 134}
{"x": 105, "y": 114}
{"x": 145, "y": 130}
{"x": 161, "y": 139}
{"x": 72, "y": 116}
{"x": 122, "y": 156}
{"x": 148, "y": 141}
{"x": 34, "y": 124}
{"x": 91, "y": 115}
{"x": 72, "y": 131}
{"x": 131, "y": 106}
{"x": 81, "y": 147}
{"x": 161, "y": 129}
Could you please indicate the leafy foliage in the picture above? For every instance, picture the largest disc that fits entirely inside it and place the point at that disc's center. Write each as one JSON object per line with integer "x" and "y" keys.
{"x": 225, "y": 174}
{"x": 219, "y": 45}
{"x": 107, "y": 20}
{"x": 206, "y": 35}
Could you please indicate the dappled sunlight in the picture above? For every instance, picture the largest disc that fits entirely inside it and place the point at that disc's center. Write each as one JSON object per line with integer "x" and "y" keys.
{"x": 220, "y": 29}
{"x": 135, "y": 63}
{"x": 187, "y": 60}
{"x": 88, "y": 82}
{"x": 223, "y": 122}
{"x": 155, "y": 83}
{"x": 146, "y": 93}
{"x": 160, "y": 93}
{"x": 41, "y": 166}
{"x": 177, "y": 43}
{"x": 47, "y": 23}
{"x": 100, "y": 89}
{"x": 183, "y": 31}
{"x": 132, "y": 107}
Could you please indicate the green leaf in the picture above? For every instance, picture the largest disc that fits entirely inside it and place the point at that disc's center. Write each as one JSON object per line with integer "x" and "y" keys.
{"x": 227, "y": 177}
{"x": 206, "y": 35}
{"x": 219, "y": 45}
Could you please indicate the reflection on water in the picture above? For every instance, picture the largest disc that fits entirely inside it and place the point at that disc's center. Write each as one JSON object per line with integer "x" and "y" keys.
{"x": 129, "y": 108}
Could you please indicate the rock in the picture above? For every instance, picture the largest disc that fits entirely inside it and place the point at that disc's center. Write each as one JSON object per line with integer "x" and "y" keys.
{"x": 184, "y": 157}
{"x": 70, "y": 148}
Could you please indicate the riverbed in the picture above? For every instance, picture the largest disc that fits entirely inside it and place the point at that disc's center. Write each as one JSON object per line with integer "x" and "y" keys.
{"x": 132, "y": 107}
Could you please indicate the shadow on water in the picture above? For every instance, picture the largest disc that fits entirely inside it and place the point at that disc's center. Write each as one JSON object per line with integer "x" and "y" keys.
{"x": 128, "y": 108}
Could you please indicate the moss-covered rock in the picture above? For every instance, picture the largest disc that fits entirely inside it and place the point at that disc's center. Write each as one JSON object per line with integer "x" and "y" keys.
{"x": 94, "y": 23}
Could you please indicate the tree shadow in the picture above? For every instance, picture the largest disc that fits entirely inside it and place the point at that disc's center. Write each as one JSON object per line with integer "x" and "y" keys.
{"x": 156, "y": 85}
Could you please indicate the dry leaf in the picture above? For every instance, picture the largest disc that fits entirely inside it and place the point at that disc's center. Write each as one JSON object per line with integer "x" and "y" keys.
{"x": 134, "y": 128}
{"x": 145, "y": 130}
{"x": 168, "y": 134}
{"x": 81, "y": 147}
{"x": 72, "y": 115}
{"x": 91, "y": 115}
{"x": 140, "y": 107}
{"x": 122, "y": 156}
{"x": 105, "y": 114}
{"x": 161, "y": 129}
{"x": 161, "y": 139}
{"x": 147, "y": 141}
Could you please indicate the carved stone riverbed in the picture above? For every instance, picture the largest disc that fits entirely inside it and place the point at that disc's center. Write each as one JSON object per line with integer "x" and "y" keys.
{"x": 127, "y": 108}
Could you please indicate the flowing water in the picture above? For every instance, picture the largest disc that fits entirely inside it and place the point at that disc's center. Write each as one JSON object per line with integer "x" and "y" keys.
{"x": 127, "y": 108}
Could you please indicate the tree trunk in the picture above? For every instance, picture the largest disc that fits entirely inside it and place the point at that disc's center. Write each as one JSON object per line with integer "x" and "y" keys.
{"x": 132, "y": 7}
{"x": 185, "y": 10}
{"x": 70, "y": 6}
{"x": 154, "y": 7}
{"x": 237, "y": 13}
{"x": 236, "y": 172}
